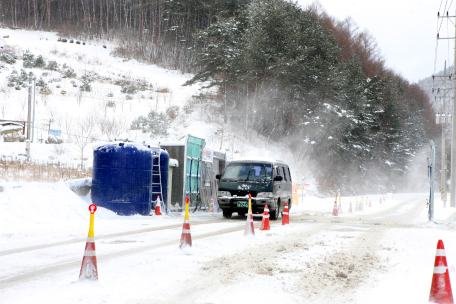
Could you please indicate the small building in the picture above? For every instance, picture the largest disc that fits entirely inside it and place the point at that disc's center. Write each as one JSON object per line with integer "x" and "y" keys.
{"x": 12, "y": 131}
{"x": 195, "y": 176}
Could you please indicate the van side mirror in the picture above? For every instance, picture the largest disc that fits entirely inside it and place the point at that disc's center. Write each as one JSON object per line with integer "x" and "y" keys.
{"x": 278, "y": 178}
{"x": 218, "y": 176}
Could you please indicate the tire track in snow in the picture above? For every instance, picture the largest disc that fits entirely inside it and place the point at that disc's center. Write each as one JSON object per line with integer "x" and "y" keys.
{"x": 62, "y": 267}
{"x": 315, "y": 277}
{"x": 65, "y": 266}
{"x": 106, "y": 236}
{"x": 223, "y": 271}
{"x": 338, "y": 275}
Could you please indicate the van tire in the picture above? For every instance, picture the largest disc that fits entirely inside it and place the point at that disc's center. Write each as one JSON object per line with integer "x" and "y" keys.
{"x": 274, "y": 214}
{"x": 227, "y": 213}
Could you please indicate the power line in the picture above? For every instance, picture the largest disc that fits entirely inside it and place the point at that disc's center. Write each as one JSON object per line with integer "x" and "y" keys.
{"x": 440, "y": 5}
{"x": 444, "y": 13}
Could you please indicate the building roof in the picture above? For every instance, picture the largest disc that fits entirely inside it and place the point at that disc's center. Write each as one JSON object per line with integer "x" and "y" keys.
{"x": 10, "y": 126}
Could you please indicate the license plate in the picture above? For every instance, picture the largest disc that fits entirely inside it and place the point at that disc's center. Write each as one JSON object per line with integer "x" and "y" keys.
{"x": 243, "y": 204}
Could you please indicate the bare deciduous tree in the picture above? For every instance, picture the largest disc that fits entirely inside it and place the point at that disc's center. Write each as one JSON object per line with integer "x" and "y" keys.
{"x": 81, "y": 132}
{"x": 4, "y": 107}
{"x": 112, "y": 127}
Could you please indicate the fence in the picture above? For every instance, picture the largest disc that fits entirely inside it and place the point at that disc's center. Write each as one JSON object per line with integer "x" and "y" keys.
{"x": 19, "y": 169}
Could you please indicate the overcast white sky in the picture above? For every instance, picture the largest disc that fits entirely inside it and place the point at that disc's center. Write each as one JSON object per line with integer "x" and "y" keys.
{"x": 405, "y": 31}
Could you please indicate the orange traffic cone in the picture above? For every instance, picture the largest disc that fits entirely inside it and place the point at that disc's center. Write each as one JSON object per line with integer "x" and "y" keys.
{"x": 335, "y": 209}
{"x": 211, "y": 207}
{"x": 157, "y": 206}
{"x": 89, "y": 268}
{"x": 350, "y": 208}
{"x": 440, "y": 286}
{"x": 186, "y": 238}
{"x": 285, "y": 215}
{"x": 249, "y": 229}
{"x": 265, "y": 222}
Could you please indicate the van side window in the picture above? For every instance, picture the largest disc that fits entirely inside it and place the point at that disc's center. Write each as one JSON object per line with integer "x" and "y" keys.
{"x": 284, "y": 174}
{"x": 289, "y": 173}
{"x": 278, "y": 171}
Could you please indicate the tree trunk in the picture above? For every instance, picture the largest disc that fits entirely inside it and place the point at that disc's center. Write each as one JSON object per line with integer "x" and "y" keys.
{"x": 101, "y": 19}
{"x": 126, "y": 14}
{"x": 107, "y": 17}
{"x": 35, "y": 14}
{"x": 28, "y": 13}
{"x": 159, "y": 23}
{"x": 48, "y": 7}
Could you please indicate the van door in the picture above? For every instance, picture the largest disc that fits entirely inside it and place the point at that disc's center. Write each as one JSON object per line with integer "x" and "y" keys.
{"x": 277, "y": 184}
{"x": 283, "y": 187}
{"x": 288, "y": 187}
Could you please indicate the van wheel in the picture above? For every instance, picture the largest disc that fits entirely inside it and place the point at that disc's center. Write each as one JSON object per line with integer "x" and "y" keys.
{"x": 227, "y": 213}
{"x": 274, "y": 215}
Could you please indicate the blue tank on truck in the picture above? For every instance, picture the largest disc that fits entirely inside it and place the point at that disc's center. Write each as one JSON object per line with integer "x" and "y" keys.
{"x": 122, "y": 178}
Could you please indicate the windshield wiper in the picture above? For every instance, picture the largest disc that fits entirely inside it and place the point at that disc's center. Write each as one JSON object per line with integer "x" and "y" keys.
{"x": 248, "y": 174}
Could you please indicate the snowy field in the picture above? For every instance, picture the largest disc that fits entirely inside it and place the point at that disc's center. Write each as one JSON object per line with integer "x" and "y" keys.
{"x": 387, "y": 252}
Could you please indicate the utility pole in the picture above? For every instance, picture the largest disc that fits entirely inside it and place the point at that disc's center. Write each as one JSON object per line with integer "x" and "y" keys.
{"x": 49, "y": 129}
{"x": 453, "y": 133}
{"x": 431, "y": 175}
{"x": 29, "y": 115}
{"x": 443, "y": 119}
{"x": 453, "y": 125}
{"x": 34, "y": 105}
{"x": 443, "y": 182}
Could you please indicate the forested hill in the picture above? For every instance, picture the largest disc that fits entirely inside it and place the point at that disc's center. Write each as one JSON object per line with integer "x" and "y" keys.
{"x": 300, "y": 77}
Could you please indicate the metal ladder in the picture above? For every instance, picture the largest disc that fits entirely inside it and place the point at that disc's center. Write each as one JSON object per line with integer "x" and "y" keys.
{"x": 159, "y": 178}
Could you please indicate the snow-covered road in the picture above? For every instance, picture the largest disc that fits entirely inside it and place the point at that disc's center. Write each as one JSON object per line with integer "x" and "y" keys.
{"x": 384, "y": 254}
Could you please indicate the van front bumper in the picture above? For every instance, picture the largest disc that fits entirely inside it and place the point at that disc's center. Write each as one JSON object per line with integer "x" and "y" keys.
{"x": 231, "y": 203}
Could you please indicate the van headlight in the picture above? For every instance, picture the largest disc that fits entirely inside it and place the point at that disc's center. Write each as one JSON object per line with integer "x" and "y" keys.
{"x": 264, "y": 194}
{"x": 224, "y": 193}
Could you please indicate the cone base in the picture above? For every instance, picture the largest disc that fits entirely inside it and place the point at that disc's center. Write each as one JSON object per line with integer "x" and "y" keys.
{"x": 249, "y": 230}
{"x": 89, "y": 269}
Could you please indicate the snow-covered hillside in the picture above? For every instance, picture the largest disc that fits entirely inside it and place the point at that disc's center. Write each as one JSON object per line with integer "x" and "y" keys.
{"x": 67, "y": 108}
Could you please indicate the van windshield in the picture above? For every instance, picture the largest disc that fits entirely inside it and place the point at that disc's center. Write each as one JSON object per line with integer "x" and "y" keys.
{"x": 248, "y": 172}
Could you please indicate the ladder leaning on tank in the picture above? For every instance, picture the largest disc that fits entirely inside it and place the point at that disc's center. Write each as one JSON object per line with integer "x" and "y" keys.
{"x": 154, "y": 157}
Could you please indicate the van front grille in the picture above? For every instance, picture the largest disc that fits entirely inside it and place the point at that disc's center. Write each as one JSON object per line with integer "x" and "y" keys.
{"x": 243, "y": 193}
